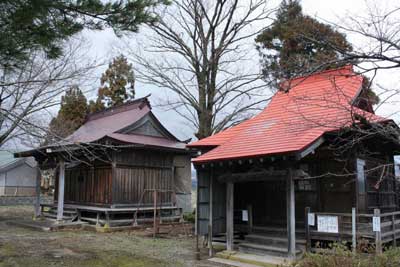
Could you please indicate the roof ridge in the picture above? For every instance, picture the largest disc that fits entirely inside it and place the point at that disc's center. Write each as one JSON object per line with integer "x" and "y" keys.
{"x": 118, "y": 109}
{"x": 306, "y": 76}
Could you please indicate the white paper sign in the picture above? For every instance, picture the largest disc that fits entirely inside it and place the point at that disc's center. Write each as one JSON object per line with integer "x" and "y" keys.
{"x": 328, "y": 224}
{"x": 245, "y": 216}
{"x": 311, "y": 219}
{"x": 376, "y": 224}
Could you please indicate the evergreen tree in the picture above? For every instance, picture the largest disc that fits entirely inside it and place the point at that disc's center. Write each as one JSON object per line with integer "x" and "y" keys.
{"x": 117, "y": 85}
{"x": 27, "y": 25}
{"x": 95, "y": 106}
{"x": 72, "y": 114}
{"x": 297, "y": 43}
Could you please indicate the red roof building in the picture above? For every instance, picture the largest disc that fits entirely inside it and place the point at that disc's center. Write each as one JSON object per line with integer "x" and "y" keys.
{"x": 311, "y": 153}
{"x": 294, "y": 119}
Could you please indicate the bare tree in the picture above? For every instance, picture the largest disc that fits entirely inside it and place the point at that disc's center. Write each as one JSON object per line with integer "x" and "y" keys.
{"x": 202, "y": 53}
{"x": 28, "y": 94}
{"x": 378, "y": 56}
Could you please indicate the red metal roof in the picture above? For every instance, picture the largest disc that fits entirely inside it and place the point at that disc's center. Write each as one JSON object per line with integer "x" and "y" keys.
{"x": 293, "y": 120}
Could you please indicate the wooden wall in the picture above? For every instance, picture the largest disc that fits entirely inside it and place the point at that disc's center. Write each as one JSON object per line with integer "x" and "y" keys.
{"x": 380, "y": 186}
{"x": 139, "y": 171}
{"x": 86, "y": 185}
{"x": 128, "y": 181}
{"x": 132, "y": 185}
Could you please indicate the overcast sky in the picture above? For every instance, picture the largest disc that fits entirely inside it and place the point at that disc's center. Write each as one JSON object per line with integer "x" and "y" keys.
{"x": 103, "y": 46}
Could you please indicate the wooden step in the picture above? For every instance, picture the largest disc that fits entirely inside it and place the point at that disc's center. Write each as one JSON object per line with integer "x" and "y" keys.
{"x": 54, "y": 216}
{"x": 265, "y": 250}
{"x": 278, "y": 231}
{"x": 71, "y": 212}
{"x": 264, "y": 239}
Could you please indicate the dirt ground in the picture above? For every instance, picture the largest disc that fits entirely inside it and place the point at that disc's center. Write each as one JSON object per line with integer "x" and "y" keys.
{"x": 24, "y": 247}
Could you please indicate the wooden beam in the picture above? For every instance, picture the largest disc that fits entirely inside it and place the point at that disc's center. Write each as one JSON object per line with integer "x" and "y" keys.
{"x": 311, "y": 148}
{"x": 37, "y": 197}
{"x": 229, "y": 215}
{"x": 253, "y": 176}
{"x": 291, "y": 220}
{"x": 61, "y": 181}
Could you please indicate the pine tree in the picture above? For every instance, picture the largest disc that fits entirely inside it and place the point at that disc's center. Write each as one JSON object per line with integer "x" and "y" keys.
{"x": 117, "y": 85}
{"x": 95, "y": 106}
{"x": 29, "y": 25}
{"x": 71, "y": 116}
{"x": 297, "y": 43}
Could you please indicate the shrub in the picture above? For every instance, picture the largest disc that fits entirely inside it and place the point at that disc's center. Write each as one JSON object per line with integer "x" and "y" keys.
{"x": 340, "y": 256}
{"x": 189, "y": 217}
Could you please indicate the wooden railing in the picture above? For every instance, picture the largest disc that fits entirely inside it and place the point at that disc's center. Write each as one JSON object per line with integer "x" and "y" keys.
{"x": 377, "y": 228}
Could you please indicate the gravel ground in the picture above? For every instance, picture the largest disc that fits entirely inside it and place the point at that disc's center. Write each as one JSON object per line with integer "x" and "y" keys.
{"x": 25, "y": 247}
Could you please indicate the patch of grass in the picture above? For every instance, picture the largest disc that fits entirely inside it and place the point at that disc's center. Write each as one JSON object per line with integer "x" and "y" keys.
{"x": 7, "y": 250}
{"x": 339, "y": 256}
{"x": 123, "y": 261}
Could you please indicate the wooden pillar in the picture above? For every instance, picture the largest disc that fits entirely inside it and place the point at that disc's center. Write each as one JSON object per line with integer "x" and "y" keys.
{"x": 210, "y": 218}
{"x": 229, "y": 215}
{"x": 307, "y": 229}
{"x": 354, "y": 229}
{"x": 291, "y": 221}
{"x": 155, "y": 226}
{"x": 250, "y": 217}
{"x": 197, "y": 253}
{"x": 37, "y": 197}
{"x": 61, "y": 181}
{"x": 378, "y": 235}
{"x": 394, "y": 230}
{"x": 113, "y": 177}
{"x": 107, "y": 224}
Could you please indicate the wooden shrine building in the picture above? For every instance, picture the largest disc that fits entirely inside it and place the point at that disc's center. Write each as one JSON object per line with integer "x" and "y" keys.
{"x": 117, "y": 166}
{"x": 290, "y": 176}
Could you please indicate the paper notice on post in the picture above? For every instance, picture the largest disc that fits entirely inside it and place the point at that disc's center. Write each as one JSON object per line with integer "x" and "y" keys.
{"x": 245, "y": 215}
{"x": 311, "y": 219}
{"x": 376, "y": 224}
{"x": 328, "y": 224}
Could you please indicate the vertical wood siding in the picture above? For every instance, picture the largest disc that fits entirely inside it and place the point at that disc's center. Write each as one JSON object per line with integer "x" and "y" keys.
{"x": 134, "y": 185}
{"x": 88, "y": 186}
{"x": 140, "y": 171}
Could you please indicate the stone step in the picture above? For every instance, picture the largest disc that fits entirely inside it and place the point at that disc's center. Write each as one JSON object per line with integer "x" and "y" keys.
{"x": 264, "y": 239}
{"x": 264, "y": 250}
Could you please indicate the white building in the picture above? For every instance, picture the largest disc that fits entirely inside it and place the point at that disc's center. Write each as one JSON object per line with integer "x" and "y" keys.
{"x": 17, "y": 175}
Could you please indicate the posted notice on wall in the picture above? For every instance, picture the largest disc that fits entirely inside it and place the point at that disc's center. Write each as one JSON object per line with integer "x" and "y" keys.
{"x": 376, "y": 224}
{"x": 328, "y": 224}
{"x": 245, "y": 216}
{"x": 311, "y": 219}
